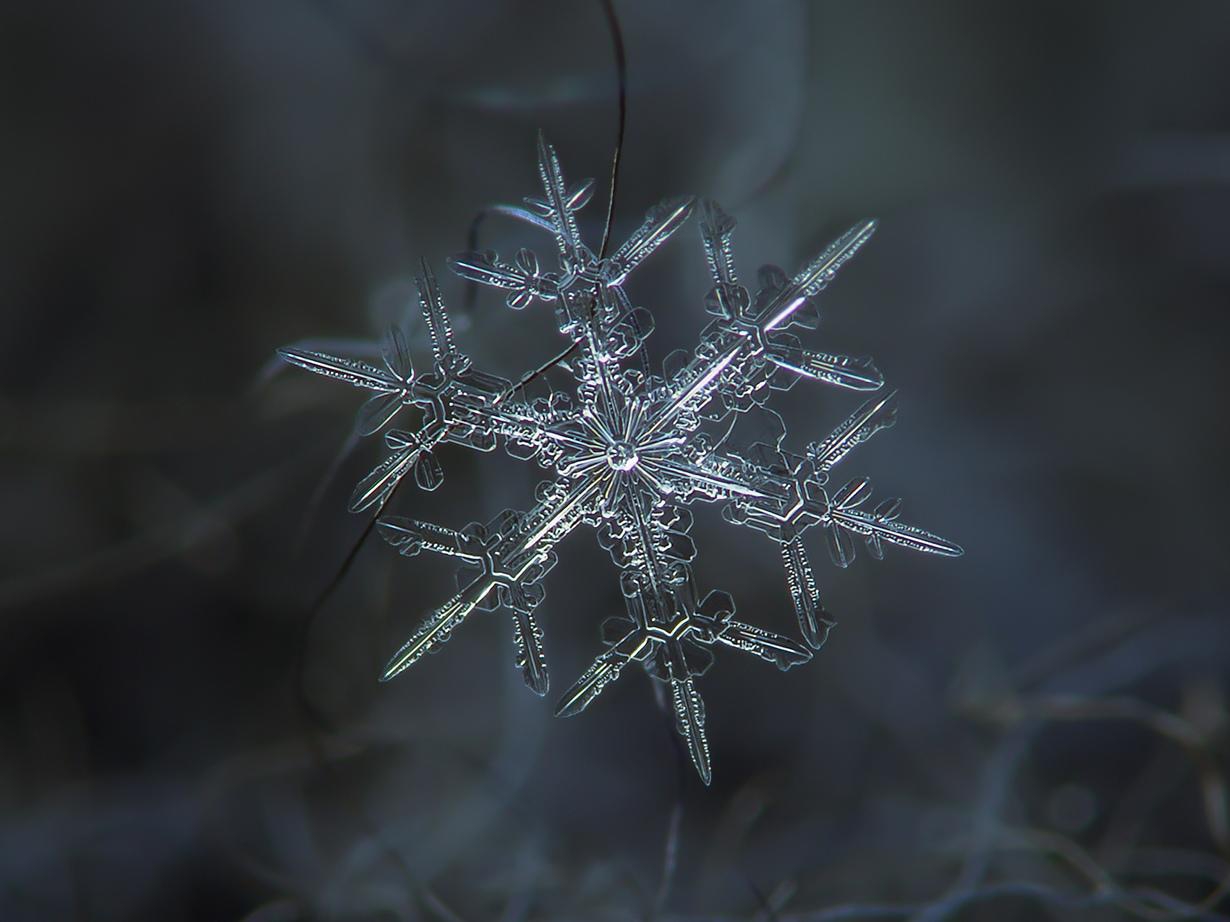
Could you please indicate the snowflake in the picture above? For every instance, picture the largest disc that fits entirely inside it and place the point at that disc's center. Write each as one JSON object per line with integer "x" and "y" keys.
{"x": 630, "y": 450}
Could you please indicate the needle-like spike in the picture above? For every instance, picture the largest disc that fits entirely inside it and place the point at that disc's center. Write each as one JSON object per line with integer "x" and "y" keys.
{"x": 909, "y": 536}
{"x": 803, "y": 592}
{"x": 531, "y": 658}
{"x": 557, "y": 202}
{"x": 690, "y": 723}
{"x": 352, "y": 371}
{"x": 858, "y": 427}
{"x": 817, "y": 274}
{"x": 662, "y": 221}
{"x": 436, "y": 316}
{"x": 438, "y": 628}
{"x": 774, "y": 648}
{"x": 601, "y": 673}
{"x": 842, "y": 370}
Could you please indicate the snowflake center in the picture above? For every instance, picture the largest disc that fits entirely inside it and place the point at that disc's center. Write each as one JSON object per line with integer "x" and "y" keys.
{"x": 621, "y": 456}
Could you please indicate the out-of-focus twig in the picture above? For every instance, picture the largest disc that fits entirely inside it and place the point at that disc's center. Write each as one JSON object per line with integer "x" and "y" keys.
{"x": 160, "y": 543}
{"x": 1166, "y": 724}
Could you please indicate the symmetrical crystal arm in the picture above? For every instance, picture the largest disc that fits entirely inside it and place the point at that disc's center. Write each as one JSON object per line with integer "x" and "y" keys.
{"x": 689, "y": 710}
{"x": 410, "y": 451}
{"x": 352, "y": 371}
{"x": 661, "y": 221}
{"x": 445, "y": 350}
{"x": 815, "y": 276}
{"x": 531, "y": 657}
{"x": 561, "y": 206}
{"x": 874, "y": 415}
{"x": 858, "y": 374}
{"x": 635, "y": 645}
{"x": 878, "y": 527}
{"x": 716, "y": 229}
{"x": 518, "y": 422}
{"x": 696, "y": 385}
{"x": 703, "y": 476}
{"x": 509, "y": 560}
{"x": 522, "y": 278}
{"x": 814, "y": 623}
{"x": 411, "y": 537}
{"x": 438, "y": 627}
{"x": 770, "y": 647}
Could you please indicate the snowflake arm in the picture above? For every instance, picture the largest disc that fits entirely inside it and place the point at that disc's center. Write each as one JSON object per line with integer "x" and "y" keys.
{"x": 448, "y": 357}
{"x": 675, "y": 650}
{"x": 689, "y": 710}
{"x": 450, "y": 395}
{"x": 815, "y": 276}
{"x": 477, "y": 546}
{"x": 659, "y": 224}
{"x": 512, "y": 557}
{"x": 561, "y": 205}
{"x": 878, "y": 526}
{"x": 730, "y": 357}
{"x": 523, "y": 278}
{"x": 858, "y": 427}
{"x": 714, "y": 622}
{"x": 727, "y": 298}
{"x": 393, "y": 383}
{"x": 802, "y": 501}
{"x": 705, "y": 476}
{"x": 814, "y": 622}
{"x": 352, "y": 371}
{"x": 411, "y": 451}
{"x": 856, "y": 374}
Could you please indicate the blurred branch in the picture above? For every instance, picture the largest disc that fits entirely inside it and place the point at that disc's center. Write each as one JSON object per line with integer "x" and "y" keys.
{"x": 1165, "y": 724}
{"x": 165, "y": 542}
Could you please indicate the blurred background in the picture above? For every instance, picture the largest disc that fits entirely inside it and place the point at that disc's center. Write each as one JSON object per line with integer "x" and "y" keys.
{"x": 1036, "y": 731}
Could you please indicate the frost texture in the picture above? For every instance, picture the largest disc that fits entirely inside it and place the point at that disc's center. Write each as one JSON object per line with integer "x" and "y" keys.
{"x": 630, "y": 450}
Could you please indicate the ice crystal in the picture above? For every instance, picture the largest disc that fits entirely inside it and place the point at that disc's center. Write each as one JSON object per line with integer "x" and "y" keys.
{"x": 630, "y": 450}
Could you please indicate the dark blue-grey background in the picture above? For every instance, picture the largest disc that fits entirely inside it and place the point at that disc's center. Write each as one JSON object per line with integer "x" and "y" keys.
{"x": 1035, "y": 731}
